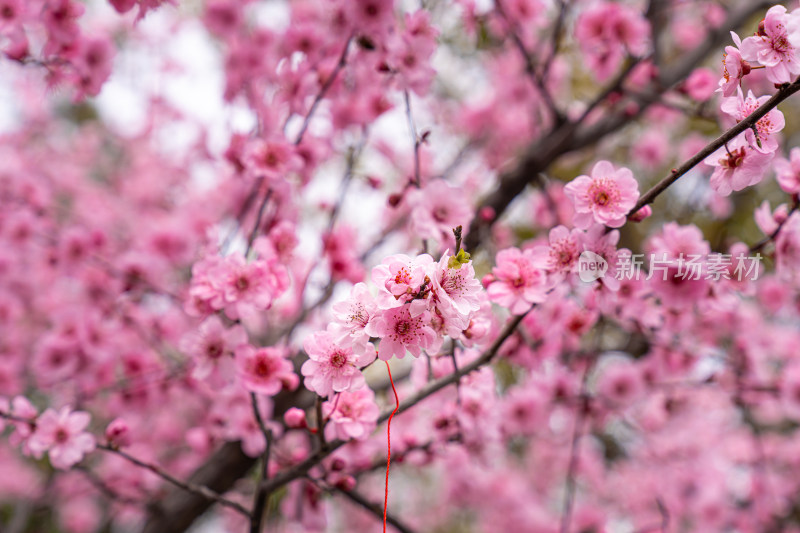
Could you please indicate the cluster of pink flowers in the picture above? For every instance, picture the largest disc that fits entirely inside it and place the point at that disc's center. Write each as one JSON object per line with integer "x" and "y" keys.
{"x": 236, "y": 285}
{"x": 418, "y": 303}
{"x": 607, "y": 32}
{"x": 743, "y": 162}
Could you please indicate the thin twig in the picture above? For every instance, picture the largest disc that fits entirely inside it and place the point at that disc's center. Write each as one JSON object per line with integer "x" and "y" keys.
{"x": 415, "y": 137}
{"x": 199, "y": 490}
{"x": 321, "y": 94}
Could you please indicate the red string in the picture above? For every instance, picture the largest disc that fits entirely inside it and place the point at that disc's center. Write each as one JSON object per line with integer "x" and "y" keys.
{"x": 389, "y": 446}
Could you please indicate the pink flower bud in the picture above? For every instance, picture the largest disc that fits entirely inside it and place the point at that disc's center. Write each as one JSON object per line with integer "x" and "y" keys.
{"x": 118, "y": 433}
{"x": 295, "y": 418}
{"x": 487, "y": 213}
{"x": 641, "y": 214}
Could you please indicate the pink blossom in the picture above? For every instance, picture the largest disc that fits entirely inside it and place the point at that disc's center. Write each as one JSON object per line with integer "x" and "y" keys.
{"x": 700, "y": 84}
{"x": 437, "y": 208}
{"x": 518, "y": 282}
{"x": 737, "y": 166}
{"x": 787, "y": 172}
{"x": 352, "y": 415}
{"x": 265, "y": 370}
{"x": 401, "y": 277}
{"x": 606, "y": 197}
{"x": 621, "y": 384}
{"x": 212, "y": 347}
{"x": 561, "y": 256}
{"x": 774, "y": 47}
{"x": 734, "y": 68}
{"x": 456, "y": 288}
{"x": 355, "y": 313}
{"x": 739, "y": 108}
{"x": 334, "y": 365}
{"x": 340, "y": 247}
{"x": 400, "y": 331}
{"x": 62, "y": 435}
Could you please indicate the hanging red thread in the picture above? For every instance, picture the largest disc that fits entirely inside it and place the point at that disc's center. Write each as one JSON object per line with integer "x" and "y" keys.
{"x": 389, "y": 446}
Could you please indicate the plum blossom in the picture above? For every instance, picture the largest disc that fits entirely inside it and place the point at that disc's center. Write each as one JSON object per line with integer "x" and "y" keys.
{"x": 561, "y": 255}
{"x": 212, "y": 347}
{"x": 774, "y": 46}
{"x": 787, "y": 172}
{"x": 606, "y": 197}
{"x": 517, "y": 281}
{"x": 737, "y": 166}
{"x": 354, "y": 314}
{"x": 62, "y": 435}
{"x": 739, "y": 108}
{"x": 334, "y": 366}
{"x": 400, "y": 279}
{"x": 400, "y": 331}
{"x": 456, "y": 287}
{"x": 265, "y": 370}
{"x": 352, "y": 415}
{"x": 734, "y": 68}
{"x": 437, "y": 208}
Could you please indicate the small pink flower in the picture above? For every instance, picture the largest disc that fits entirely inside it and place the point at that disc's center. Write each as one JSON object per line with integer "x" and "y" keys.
{"x": 212, "y": 347}
{"x": 400, "y": 331}
{"x": 737, "y": 167}
{"x": 700, "y": 84}
{"x": 518, "y": 282}
{"x": 621, "y": 384}
{"x": 787, "y": 172}
{"x": 457, "y": 288}
{"x": 774, "y": 47}
{"x": 352, "y": 415}
{"x": 334, "y": 366}
{"x": 61, "y": 434}
{"x": 354, "y": 314}
{"x": 437, "y": 209}
{"x": 740, "y": 108}
{"x": 401, "y": 277}
{"x": 734, "y": 68}
{"x": 561, "y": 256}
{"x": 606, "y": 197}
{"x": 265, "y": 370}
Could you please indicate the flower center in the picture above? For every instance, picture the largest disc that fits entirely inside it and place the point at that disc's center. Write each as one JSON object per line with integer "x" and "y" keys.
{"x": 402, "y": 327}
{"x": 214, "y": 350}
{"x": 734, "y": 159}
{"x": 262, "y": 368}
{"x": 242, "y": 283}
{"x": 61, "y": 436}
{"x": 338, "y": 359}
